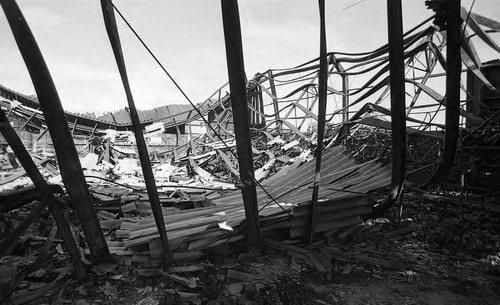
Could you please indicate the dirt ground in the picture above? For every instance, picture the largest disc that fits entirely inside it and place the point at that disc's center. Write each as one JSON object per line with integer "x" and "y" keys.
{"x": 444, "y": 250}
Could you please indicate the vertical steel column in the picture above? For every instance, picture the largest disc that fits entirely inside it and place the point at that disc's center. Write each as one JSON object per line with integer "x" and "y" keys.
{"x": 345, "y": 98}
{"x": 67, "y": 156}
{"x": 147, "y": 171}
{"x": 275, "y": 101}
{"x": 322, "y": 92}
{"x": 453, "y": 71}
{"x": 262, "y": 119}
{"x": 237, "y": 85}
{"x": 398, "y": 91}
{"x": 345, "y": 91}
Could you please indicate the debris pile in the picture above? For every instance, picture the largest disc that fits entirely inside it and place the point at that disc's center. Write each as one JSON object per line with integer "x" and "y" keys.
{"x": 112, "y": 211}
{"x": 201, "y": 211}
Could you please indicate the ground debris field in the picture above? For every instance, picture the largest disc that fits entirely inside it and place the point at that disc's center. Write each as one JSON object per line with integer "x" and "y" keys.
{"x": 443, "y": 250}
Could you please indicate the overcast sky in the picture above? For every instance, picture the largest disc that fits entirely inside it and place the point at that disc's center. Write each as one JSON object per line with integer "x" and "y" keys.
{"x": 187, "y": 37}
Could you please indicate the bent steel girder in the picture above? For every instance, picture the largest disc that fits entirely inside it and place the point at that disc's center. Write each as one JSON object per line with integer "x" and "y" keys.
{"x": 423, "y": 53}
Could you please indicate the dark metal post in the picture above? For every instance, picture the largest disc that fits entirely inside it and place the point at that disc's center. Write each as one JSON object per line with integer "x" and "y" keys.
{"x": 147, "y": 171}
{"x": 67, "y": 156}
{"x": 398, "y": 91}
{"x": 345, "y": 97}
{"x": 237, "y": 85}
{"x": 275, "y": 101}
{"x": 322, "y": 92}
{"x": 453, "y": 71}
{"x": 261, "y": 109}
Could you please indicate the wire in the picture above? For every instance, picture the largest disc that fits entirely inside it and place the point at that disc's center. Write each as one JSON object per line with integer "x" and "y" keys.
{"x": 348, "y": 7}
{"x": 172, "y": 79}
{"x": 185, "y": 95}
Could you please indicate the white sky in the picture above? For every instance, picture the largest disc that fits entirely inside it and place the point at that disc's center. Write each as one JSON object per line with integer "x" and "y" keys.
{"x": 187, "y": 37}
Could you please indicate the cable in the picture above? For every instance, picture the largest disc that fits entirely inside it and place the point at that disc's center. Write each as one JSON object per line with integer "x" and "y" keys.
{"x": 171, "y": 78}
{"x": 359, "y": 2}
{"x": 185, "y": 95}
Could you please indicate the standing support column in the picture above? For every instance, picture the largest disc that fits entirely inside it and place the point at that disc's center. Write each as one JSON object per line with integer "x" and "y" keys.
{"x": 191, "y": 142}
{"x": 147, "y": 171}
{"x": 345, "y": 94}
{"x": 453, "y": 71}
{"x": 237, "y": 85}
{"x": 398, "y": 103}
{"x": 322, "y": 93}
{"x": 67, "y": 156}
{"x": 261, "y": 109}
{"x": 177, "y": 133}
{"x": 275, "y": 102}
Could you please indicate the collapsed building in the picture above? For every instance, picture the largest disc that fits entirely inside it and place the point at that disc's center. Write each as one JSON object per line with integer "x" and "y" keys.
{"x": 322, "y": 149}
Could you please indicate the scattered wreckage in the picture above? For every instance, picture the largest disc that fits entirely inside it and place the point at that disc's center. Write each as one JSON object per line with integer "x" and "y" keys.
{"x": 155, "y": 193}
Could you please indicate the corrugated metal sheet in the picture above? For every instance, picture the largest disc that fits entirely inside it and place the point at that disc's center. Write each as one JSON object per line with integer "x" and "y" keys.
{"x": 343, "y": 193}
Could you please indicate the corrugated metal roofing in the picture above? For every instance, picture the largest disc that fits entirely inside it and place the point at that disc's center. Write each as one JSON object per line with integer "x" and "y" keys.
{"x": 343, "y": 192}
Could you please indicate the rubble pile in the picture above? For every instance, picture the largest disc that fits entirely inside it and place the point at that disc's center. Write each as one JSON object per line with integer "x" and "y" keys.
{"x": 201, "y": 210}
{"x": 170, "y": 195}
